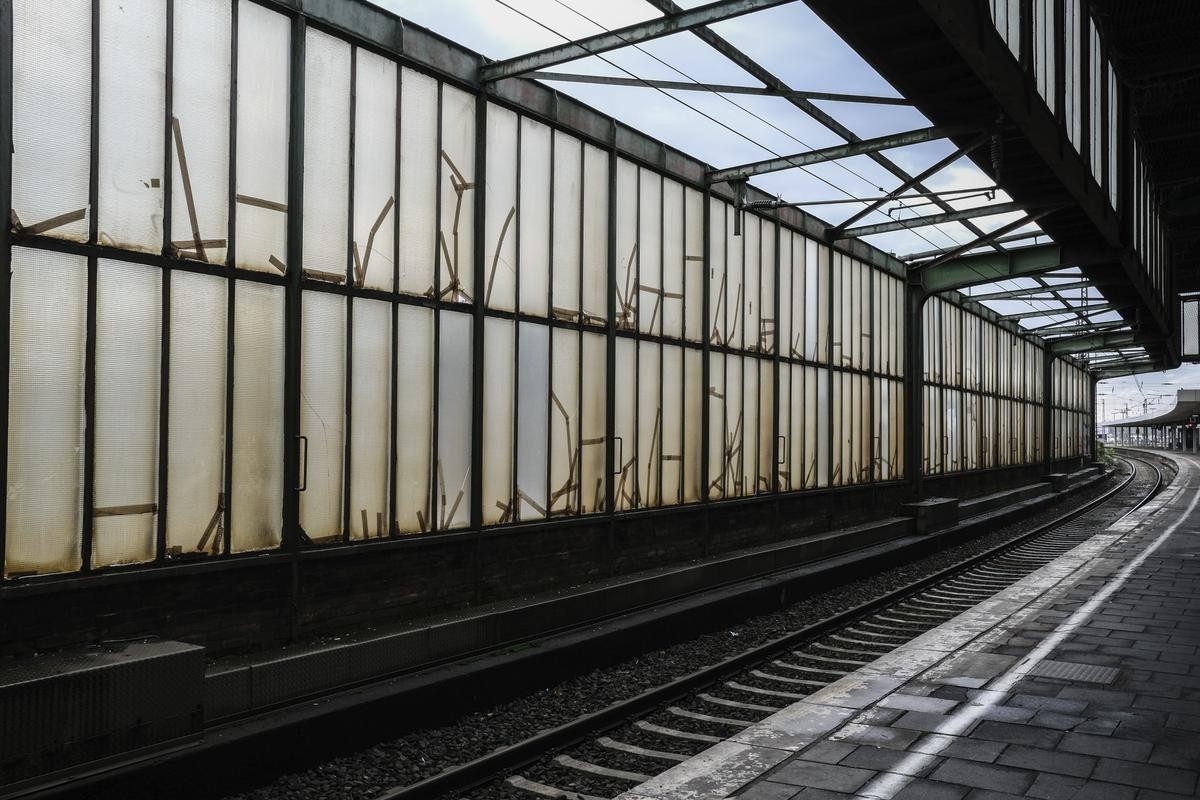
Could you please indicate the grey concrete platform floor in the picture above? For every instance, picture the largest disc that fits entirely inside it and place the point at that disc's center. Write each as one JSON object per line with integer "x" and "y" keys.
{"x": 1080, "y": 681}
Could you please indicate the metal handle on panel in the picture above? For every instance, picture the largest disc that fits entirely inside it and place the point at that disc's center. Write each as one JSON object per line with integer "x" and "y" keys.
{"x": 782, "y": 443}
{"x": 620, "y": 464}
{"x": 304, "y": 470}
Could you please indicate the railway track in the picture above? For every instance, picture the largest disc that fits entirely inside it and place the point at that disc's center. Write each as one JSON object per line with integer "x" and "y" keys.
{"x": 602, "y": 754}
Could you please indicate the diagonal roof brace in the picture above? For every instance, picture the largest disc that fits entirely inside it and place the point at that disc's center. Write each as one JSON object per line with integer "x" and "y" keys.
{"x": 623, "y": 37}
{"x": 832, "y": 153}
{"x": 1092, "y": 341}
{"x": 936, "y": 219}
{"x": 1025, "y": 291}
{"x": 1079, "y": 311}
{"x": 980, "y": 268}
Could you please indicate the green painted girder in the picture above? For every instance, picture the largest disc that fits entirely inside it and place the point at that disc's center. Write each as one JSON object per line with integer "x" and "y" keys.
{"x": 1092, "y": 341}
{"x": 973, "y": 270}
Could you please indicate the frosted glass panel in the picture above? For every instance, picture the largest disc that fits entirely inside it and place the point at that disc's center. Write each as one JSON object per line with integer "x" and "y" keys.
{"x": 196, "y": 414}
{"x": 200, "y": 131}
{"x": 751, "y": 244}
{"x": 568, "y": 209}
{"x": 498, "y": 371}
{"x": 374, "y": 171}
{"x": 264, "y": 47}
{"x": 132, "y": 66}
{"x": 45, "y": 414}
{"x": 454, "y": 421}
{"x": 693, "y": 389}
{"x": 766, "y": 431}
{"x": 257, "y": 480}
{"x": 370, "y": 405}
{"x": 595, "y": 234}
{"x": 649, "y": 274}
{"x": 533, "y": 402}
{"x": 592, "y": 445}
{"x": 694, "y": 265}
{"x": 716, "y": 426}
{"x": 534, "y": 218}
{"x": 456, "y": 237}
{"x": 626, "y": 286}
{"x": 128, "y": 334}
{"x": 734, "y": 452}
{"x": 51, "y": 128}
{"x": 326, "y": 156}
{"x": 671, "y": 432}
{"x": 673, "y": 265}
{"x": 418, "y": 181}
{"x": 649, "y": 441}
{"x": 323, "y": 413}
{"x": 625, "y": 444}
{"x": 564, "y": 424}
{"x": 414, "y": 416}
{"x": 500, "y": 229}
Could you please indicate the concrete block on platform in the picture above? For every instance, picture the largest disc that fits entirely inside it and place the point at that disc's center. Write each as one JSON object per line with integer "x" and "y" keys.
{"x": 934, "y": 514}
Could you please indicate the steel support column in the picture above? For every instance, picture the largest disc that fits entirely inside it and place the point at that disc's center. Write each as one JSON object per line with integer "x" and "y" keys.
{"x": 914, "y": 383}
{"x": 6, "y": 151}
{"x": 1047, "y": 407}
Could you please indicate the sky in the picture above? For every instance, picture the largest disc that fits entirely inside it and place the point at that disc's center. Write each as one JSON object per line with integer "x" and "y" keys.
{"x": 726, "y": 130}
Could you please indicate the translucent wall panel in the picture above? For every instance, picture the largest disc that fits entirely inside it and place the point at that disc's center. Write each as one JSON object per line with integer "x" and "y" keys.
{"x": 693, "y": 397}
{"x": 595, "y": 234}
{"x": 811, "y": 443}
{"x": 671, "y": 446}
{"x": 414, "y": 417}
{"x": 323, "y": 413}
{"x": 718, "y": 284}
{"x": 47, "y": 332}
{"x": 748, "y": 457}
{"x": 257, "y": 480}
{"x": 533, "y": 408}
{"x": 625, "y": 427}
{"x": 264, "y": 47}
{"x": 51, "y": 127}
{"x": 783, "y": 468}
{"x": 766, "y": 425}
{"x": 735, "y": 296}
{"x": 694, "y": 272}
{"x": 370, "y": 408}
{"x": 814, "y": 287}
{"x": 326, "y": 156}
{"x": 733, "y": 446}
{"x": 650, "y": 238}
{"x": 1114, "y": 141}
{"x": 498, "y": 415}
{"x": 128, "y": 339}
{"x": 841, "y": 418}
{"x": 821, "y": 434}
{"x": 568, "y": 225}
{"x": 766, "y": 290}
{"x": 419, "y": 159}
{"x": 592, "y": 428}
{"x": 374, "y": 170}
{"x": 626, "y": 299}
{"x": 199, "y": 138}
{"x": 534, "y": 218}
{"x": 457, "y": 234}
{"x": 500, "y": 229}
{"x": 649, "y": 424}
{"x": 196, "y": 414}
{"x": 132, "y": 65}
{"x": 564, "y": 424}
{"x": 717, "y": 441}
{"x": 454, "y": 420}
{"x": 751, "y": 303}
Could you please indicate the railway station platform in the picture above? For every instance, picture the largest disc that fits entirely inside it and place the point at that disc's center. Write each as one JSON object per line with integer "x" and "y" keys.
{"x": 1080, "y": 681}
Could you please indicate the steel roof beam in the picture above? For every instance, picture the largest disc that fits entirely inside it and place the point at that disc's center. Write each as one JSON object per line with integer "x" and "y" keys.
{"x": 1028, "y": 219}
{"x": 972, "y": 270}
{"x": 1092, "y": 341}
{"x": 1016, "y": 237}
{"x": 956, "y": 215}
{"x": 1079, "y": 311}
{"x": 722, "y": 88}
{"x": 1018, "y": 294}
{"x": 624, "y": 37}
{"x": 861, "y": 147}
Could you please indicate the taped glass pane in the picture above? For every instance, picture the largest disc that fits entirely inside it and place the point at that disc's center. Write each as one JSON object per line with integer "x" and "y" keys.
{"x": 766, "y": 429}
{"x": 454, "y": 421}
{"x": 534, "y": 219}
{"x": 810, "y": 427}
{"x": 257, "y": 480}
{"x": 627, "y": 245}
{"x": 199, "y": 138}
{"x": 671, "y": 426}
{"x": 128, "y": 338}
{"x": 751, "y": 302}
{"x": 326, "y": 156}
{"x": 766, "y": 292}
{"x": 735, "y": 289}
{"x": 564, "y": 424}
{"x": 694, "y": 272}
{"x": 47, "y": 332}
{"x": 414, "y": 417}
{"x": 674, "y": 268}
{"x": 498, "y": 370}
{"x": 533, "y": 408}
{"x": 371, "y": 411}
{"x": 717, "y": 413}
{"x": 649, "y": 424}
{"x": 264, "y": 46}
{"x": 798, "y": 347}
{"x": 840, "y": 314}
{"x": 595, "y": 234}
{"x": 625, "y": 461}
{"x": 51, "y": 126}
{"x": 419, "y": 159}
{"x": 734, "y": 445}
{"x": 813, "y": 343}
{"x": 649, "y": 274}
{"x": 693, "y": 397}
{"x": 500, "y": 228}
{"x": 196, "y": 414}
{"x": 841, "y": 416}
{"x": 822, "y": 432}
{"x": 132, "y": 97}
{"x": 568, "y": 225}
{"x": 457, "y": 235}
{"x": 374, "y": 170}
{"x": 323, "y": 413}
{"x": 593, "y": 431}
{"x": 783, "y": 469}
{"x": 718, "y": 283}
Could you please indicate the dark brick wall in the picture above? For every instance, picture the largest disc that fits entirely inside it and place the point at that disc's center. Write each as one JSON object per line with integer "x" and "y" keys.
{"x": 247, "y": 603}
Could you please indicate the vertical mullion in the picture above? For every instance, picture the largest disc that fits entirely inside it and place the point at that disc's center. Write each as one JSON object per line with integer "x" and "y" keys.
{"x": 683, "y": 344}
{"x": 435, "y": 522}
{"x": 478, "y": 256}
{"x": 348, "y": 407}
{"x": 635, "y": 331}
{"x": 776, "y": 425}
{"x": 610, "y": 353}
{"x": 550, "y": 330}
{"x": 705, "y": 343}
{"x": 231, "y": 289}
{"x": 294, "y": 308}
{"x": 89, "y": 368}
{"x": 514, "y": 476}
{"x": 392, "y": 366}
{"x": 6, "y": 149}
{"x": 164, "y": 363}
{"x": 662, "y": 304}
{"x": 577, "y": 477}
